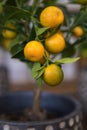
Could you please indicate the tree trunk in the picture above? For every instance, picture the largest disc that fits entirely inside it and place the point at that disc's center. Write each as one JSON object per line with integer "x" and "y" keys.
{"x": 36, "y": 113}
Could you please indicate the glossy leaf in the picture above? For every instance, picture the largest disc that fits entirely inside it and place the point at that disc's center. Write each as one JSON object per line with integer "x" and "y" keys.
{"x": 36, "y": 66}
{"x": 41, "y": 31}
{"x": 67, "y": 60}
{"x": 37, "y": 70}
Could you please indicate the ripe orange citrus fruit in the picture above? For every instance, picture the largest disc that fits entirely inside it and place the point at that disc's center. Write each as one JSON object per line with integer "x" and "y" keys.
{"x": 55, "y": 43}
{"x": 7, "y": 33}
{"x": 78, "y": 31}
{"x": 53, "y": 75}
{"x": 34, "y": 51}
{"x": 51, "y": 16}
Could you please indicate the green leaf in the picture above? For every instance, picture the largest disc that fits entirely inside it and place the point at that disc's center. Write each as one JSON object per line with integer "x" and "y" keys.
{"x": 37, "y": 74}
{"x": 39, "y": 81}
{"x": 34, "y": 74}
{"x": 40, "y": 31}
{"x": 37, "y": 70}
{"x": 67, "y": 60}
{"x": 40, "y": 72}
{"x": 17, "y": 51}
{"x": 16, "y": 13}
{"x": 36, "y": 66}
{"x": 18, "y": 39}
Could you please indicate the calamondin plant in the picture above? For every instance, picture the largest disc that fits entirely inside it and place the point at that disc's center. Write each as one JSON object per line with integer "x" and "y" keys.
{"x": 40, "y": 35}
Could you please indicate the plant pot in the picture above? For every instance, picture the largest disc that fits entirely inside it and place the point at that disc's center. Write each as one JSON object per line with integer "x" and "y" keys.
{"x": 67, "y": 111}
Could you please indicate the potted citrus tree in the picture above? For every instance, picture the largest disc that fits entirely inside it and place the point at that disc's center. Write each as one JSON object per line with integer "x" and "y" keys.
{"x": 39, "y": 33}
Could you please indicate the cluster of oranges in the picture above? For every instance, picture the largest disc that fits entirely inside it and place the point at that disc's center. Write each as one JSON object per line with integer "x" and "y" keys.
{"x": 36, "y": 51}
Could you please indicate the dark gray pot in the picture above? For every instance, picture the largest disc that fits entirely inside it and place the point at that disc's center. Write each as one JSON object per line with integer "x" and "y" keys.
{"x": 67, "y": 111}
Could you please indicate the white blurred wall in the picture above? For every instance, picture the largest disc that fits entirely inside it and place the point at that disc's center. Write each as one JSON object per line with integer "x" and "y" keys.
{"x": 19, "y": 73}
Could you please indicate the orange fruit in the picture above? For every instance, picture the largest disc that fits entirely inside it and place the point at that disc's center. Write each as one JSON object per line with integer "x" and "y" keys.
{"x": 78, "y": 31}
{"x": 34, "y": 51}
{"x": 55, "y": 43}
{"x": 51, "y": 16}
{"x": 7, "y": 33}
{"x": 53, "y": 75}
